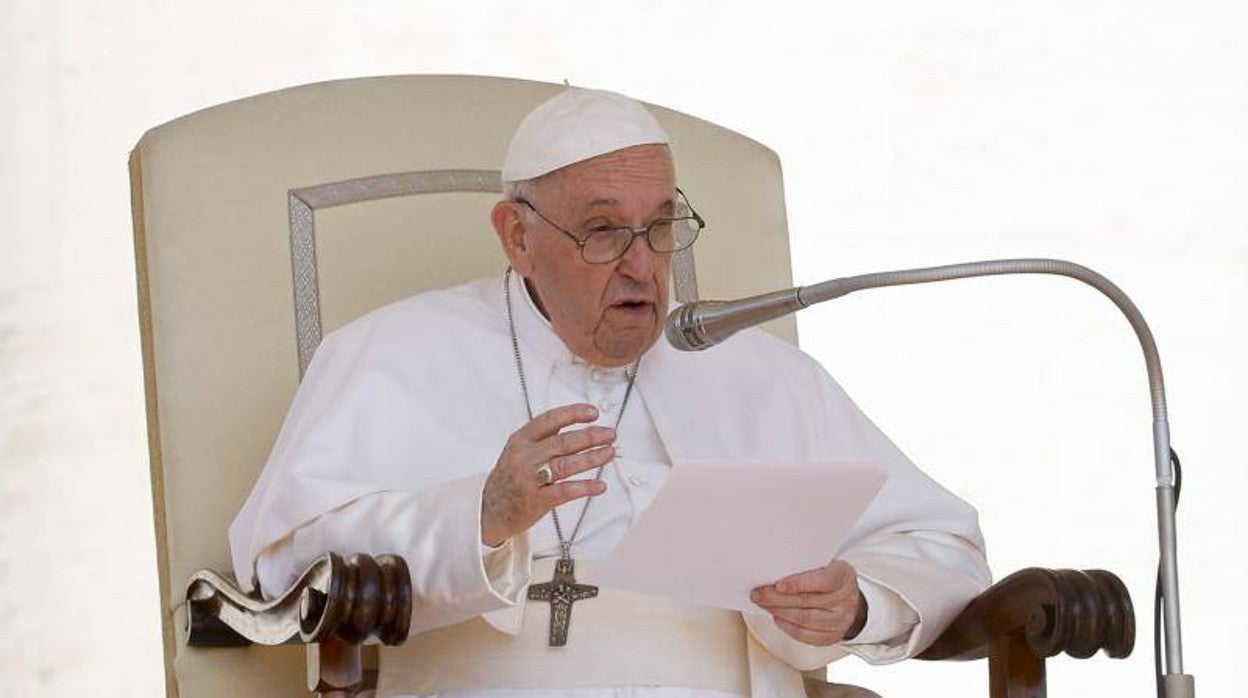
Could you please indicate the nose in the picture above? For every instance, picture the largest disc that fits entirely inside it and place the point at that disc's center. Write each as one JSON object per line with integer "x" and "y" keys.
{"x": 637, "y": 261}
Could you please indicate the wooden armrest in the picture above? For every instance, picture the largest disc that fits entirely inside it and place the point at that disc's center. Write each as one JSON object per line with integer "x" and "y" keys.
{"x": 333, "y": 607}
{"x": 1034, "y": 614}
{"x": 352, "y": 601}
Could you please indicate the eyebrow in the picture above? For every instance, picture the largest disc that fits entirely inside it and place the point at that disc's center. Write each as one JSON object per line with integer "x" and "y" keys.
{"x": 668, "y": 205}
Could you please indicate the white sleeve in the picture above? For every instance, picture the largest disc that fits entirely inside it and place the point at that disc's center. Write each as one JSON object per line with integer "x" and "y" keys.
{"x": 888, "y": 616}
{"x": 908, "y": 579}
{"x": 437, "y": 530}
{"x": 933, "y": 572}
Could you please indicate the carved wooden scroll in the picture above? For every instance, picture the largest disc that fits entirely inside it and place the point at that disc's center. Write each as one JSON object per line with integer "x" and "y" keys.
{"x": 333, "y": 607}
{"x": 1034, "y": 614}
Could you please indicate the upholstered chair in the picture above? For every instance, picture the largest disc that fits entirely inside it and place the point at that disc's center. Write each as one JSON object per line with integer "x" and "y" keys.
{"x": 262, "y": 224}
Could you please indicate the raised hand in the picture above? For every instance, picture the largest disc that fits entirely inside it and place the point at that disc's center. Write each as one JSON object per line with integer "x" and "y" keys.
{"x": 517, "y": 495}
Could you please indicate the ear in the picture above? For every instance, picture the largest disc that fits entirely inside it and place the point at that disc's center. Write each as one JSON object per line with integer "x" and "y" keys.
{"x": 509, "y": 226}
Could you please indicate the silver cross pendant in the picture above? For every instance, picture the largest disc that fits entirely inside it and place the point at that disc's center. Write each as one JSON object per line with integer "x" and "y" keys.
{"x": 561, "y": 592}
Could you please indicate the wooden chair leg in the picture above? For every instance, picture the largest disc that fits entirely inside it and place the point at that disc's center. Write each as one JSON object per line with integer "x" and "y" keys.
{"x": 335, "y": 669}
{"x": 1014, "y": 669}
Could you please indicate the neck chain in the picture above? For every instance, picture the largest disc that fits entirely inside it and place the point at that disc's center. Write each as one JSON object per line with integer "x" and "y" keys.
{"x": 565, "y": 544}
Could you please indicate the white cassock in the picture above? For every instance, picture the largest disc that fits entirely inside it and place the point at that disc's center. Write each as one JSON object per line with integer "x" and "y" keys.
{"x": 403, "y": 413}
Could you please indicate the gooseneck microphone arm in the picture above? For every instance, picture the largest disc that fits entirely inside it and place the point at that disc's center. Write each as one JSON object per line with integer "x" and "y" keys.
{"x": 703, "y": 324}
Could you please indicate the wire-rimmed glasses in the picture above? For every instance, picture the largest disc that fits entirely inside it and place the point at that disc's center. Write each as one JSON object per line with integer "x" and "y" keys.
{"x": 601, "y": 244}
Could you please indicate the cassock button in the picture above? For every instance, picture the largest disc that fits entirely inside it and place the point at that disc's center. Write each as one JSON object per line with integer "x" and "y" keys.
{"x": 636, "y": 481}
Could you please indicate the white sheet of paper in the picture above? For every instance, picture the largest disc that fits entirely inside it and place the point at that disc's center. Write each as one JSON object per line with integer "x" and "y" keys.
{"x": 716, "y": 531}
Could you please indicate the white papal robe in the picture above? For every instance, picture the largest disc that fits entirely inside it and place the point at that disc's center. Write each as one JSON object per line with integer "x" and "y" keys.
{"x": 403, "y": 412}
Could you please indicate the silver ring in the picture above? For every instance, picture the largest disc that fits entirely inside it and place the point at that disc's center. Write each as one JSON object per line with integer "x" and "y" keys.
{"x": 545, "y": 475}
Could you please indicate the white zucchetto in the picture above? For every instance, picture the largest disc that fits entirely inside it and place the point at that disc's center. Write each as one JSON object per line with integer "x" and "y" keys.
{"x": 574, "y": 125}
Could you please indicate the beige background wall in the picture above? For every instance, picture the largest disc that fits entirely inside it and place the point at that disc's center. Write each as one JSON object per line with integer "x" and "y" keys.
{"x": 1111, "y": 133}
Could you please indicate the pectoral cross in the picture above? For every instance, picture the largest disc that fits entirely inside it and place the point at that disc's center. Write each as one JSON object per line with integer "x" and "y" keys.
{"x": 561, "y": 592}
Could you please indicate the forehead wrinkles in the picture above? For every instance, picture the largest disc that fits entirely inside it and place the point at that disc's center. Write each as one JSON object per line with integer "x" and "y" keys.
{"x": 642, "y": 165}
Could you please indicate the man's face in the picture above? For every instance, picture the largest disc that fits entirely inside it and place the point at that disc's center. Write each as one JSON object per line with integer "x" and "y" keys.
{"x": 608, "y": 314}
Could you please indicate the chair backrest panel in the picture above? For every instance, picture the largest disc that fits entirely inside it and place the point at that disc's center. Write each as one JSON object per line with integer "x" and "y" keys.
{"x": 214, "y": 199}
{"x": 382, "y": 260}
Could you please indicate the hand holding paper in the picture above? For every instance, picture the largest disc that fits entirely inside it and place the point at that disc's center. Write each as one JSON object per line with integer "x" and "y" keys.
{"x": 818, "y": 607}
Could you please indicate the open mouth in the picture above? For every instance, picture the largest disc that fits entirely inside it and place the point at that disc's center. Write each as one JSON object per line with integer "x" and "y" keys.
{"x": 635, "y": 306}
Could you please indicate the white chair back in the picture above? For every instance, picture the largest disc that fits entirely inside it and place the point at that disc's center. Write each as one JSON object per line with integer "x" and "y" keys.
{"x": 264, "y": 223}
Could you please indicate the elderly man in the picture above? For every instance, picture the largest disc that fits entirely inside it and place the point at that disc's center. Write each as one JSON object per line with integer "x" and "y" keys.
{"x": 504, "y": 435}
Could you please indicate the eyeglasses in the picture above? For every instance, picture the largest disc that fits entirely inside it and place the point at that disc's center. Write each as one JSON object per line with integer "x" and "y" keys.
{"x": 601, "y": 244}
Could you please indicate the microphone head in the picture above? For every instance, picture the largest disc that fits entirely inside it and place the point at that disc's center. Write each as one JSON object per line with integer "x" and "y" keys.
{"x": 703, "y": 324}
{"x": 682, "y": 330}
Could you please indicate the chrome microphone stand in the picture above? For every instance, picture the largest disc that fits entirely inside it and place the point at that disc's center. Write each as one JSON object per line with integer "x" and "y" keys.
{"x": 697, "y": 326}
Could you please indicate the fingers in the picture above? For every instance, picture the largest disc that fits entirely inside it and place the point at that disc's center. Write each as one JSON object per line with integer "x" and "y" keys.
{"x": 771, "y": 598}
{"x": 817, "y": 607}
{"x": 561, "y": 493}
{"x": 815, "y": 625}
{"x": 552, "y": 421}
{"x": 822, "y": 587}
{"x": 568, "y": 466}
{"x": 571, "y": 442}
{"x": 816, "y": 619}
{"x": 515, "y": 496}
{"x": 831, "y": 577}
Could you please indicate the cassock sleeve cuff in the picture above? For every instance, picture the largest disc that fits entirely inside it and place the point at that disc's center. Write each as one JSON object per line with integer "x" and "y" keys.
{"x": 506, "y": 569}
{"x": 925, "y": 596}
{"x": 890, "y": 619}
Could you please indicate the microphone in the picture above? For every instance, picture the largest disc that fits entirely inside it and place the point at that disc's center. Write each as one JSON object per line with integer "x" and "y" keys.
{"x": 703, "y": 324}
